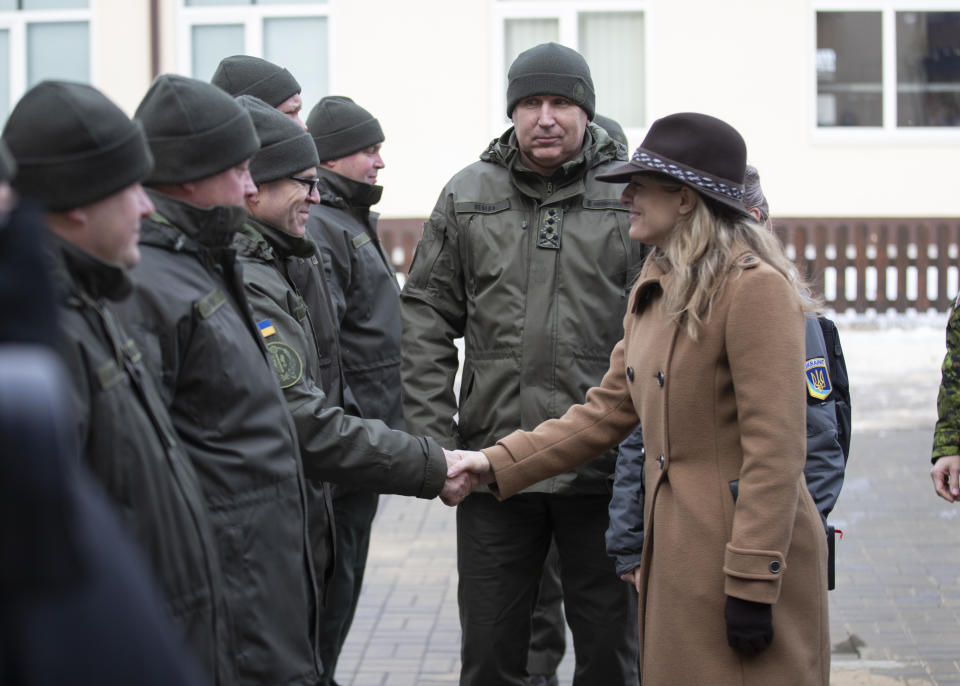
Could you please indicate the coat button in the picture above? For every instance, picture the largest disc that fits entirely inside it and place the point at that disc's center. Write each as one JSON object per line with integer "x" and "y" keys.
{"x": 660, "y": 378}
{"x": 774, "y": 567}
{"x": 630, "y": 373}
{"x": 660, "y": 460}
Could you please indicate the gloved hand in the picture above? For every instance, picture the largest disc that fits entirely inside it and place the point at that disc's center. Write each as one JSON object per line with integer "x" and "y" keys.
{"x": 749, "y": 625}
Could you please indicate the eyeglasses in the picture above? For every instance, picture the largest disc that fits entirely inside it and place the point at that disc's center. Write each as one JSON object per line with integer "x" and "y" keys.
{"x": 311, "y": 183}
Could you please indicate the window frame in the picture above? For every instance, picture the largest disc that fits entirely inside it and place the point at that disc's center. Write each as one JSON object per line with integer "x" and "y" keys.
{"x": 566, "y": 13}
{"x": 15, "y": 22}
{"x": 252, "y": 18}
{"x": 889, "y": 133}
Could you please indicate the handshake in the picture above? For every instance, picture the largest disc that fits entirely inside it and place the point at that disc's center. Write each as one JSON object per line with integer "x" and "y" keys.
{"x": 465, "y": 469}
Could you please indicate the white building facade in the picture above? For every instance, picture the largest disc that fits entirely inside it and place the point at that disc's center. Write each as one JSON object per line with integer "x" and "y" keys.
{"x": 850, "y": 108}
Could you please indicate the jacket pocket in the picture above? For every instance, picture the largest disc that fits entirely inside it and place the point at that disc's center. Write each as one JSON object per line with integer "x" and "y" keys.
{"x": 425, "y": 258}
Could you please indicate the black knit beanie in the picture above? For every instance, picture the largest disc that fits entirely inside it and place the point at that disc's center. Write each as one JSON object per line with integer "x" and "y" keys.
{"x": 613, "y": 128}
{"x": 285, "y": 148}
{"x": 73, "y": 146}
{"x": 195, "y": 130}
{"x": 246, "y": 75}
{"x": 340, "y": 127}
{"x": 551, "y": 69}
{"x": 8, "y": 167}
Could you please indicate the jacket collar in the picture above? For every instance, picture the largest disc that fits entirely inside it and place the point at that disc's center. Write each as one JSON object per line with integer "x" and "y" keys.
{"x": 655, "y": 274}
{"x": 341, "y": 191}
{"x": 78, "y": 272}
{"x": 257, "y": 238}
{"x": 598, "y": 148}
{"x": 209, "y": 227}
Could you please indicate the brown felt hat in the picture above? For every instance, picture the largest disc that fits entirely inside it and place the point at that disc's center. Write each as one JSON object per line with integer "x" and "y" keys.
{"x": 698, "y": 150}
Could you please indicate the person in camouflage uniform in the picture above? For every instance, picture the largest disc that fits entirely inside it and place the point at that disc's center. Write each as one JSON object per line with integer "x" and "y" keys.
{"x": 946, "y": 437}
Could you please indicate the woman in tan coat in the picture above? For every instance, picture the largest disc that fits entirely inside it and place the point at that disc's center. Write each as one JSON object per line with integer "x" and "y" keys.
{"x": 733, "y": 581}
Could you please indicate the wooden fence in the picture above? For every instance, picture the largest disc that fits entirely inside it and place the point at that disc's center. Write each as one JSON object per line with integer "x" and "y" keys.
{"x": 877, "y": 264}
{"x": 881, "y": 265}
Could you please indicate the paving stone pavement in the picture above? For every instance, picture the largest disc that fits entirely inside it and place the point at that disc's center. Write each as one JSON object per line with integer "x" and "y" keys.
{"x": 894, "y": 617}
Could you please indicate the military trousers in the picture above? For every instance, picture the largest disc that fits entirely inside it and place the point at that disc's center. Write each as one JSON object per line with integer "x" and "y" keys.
{"x": 353, "y": 513}
{"x": 548, "y": 639}
{"x": 501, "y": 548}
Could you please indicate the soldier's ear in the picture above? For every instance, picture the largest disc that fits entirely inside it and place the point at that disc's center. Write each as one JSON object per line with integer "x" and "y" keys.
{"x": 77, "y": 215}
{"x": 253, "y": 200}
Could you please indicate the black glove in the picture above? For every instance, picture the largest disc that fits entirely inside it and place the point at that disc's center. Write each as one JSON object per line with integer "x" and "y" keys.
{"x": 749, "y": 625}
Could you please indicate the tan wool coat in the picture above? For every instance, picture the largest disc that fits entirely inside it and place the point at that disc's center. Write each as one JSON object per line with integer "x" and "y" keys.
{"x": 722, "y": 414}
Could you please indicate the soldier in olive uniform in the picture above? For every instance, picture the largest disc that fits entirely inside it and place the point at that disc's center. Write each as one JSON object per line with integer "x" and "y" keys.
{"x": 366, "y": 301}
{"x": 83, "y": 159}
{"x": 191, "y": 318}
{"x": 946, "y": 437}
{"x": 521, "y": 247}
{"x": 278, "y": 276}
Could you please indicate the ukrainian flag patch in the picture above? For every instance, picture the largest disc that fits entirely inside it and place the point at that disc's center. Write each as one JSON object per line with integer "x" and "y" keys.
{"x": 818, "y": 378}
{"x": 266, "y": 328}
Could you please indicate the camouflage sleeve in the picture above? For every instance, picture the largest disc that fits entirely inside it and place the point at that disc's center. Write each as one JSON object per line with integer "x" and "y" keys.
{"x": 946, "y": 436}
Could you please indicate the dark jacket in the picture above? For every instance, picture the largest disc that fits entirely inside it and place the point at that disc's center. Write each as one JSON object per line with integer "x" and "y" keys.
{"x": 364, "y": 291}
{"x": 518, "y": 265}
{"x": 335, "y": 446}
{"x": 192, "y": 321}
{"x": 825, "y": 464}
{"x": 128, "y": 441}
{"x": 77, "y": 603}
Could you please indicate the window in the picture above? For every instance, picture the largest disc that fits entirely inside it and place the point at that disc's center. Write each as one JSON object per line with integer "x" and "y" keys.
{"x": 291, "y": 33}
{"x": 41, "y": 39}
{"x": 610, "y": 36}
{"x": 890, "y": 68}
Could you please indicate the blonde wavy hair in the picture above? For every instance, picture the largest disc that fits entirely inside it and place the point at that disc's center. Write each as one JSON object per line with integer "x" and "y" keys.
{"x": 700, "y": 253}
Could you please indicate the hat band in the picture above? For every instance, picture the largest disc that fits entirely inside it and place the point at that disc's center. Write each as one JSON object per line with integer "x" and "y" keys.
{"x": 695, "y": 178}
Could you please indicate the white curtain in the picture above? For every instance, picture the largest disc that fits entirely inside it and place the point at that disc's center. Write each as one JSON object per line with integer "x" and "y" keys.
{"x": 301, "y": 45}
{"x": 613, "y": 45}
{"x": 58, "y": 50}
{"x": 210, "y": 44}
{"x": 4, "y": 75}
{"x": 50, "y": 4}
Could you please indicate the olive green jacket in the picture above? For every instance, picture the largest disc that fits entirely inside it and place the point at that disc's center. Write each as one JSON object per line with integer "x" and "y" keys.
{"x": 946, "y": 436}
{"x": 534, "y": 273}
{"x": 335, "y": 446}
{"x": 128, "y": 441}
{"x": 191, "y": 320}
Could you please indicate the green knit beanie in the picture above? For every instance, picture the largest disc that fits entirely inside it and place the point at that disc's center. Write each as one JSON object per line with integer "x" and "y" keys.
{"x": 246, "y": 75}
{"x": 73, "y": 146}
{"x": 551, "y": 69}
{"x": 194, "y": 129}
{"x": 340, "y": 127}
{"x": 613, "y": 129}
{"x": 285, "y": 148}
{"x": 8, "y": 167}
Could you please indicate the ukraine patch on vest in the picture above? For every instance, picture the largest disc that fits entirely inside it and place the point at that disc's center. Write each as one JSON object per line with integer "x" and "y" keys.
{"x": 266, "y": 328}
{"x": 818, "y": 378}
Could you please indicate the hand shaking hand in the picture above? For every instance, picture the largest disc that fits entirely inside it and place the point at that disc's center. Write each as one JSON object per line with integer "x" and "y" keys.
{"x": 465, "y": 469}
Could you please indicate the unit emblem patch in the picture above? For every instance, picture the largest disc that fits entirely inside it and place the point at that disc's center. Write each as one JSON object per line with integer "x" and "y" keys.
{"x": 287, "y": 364}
